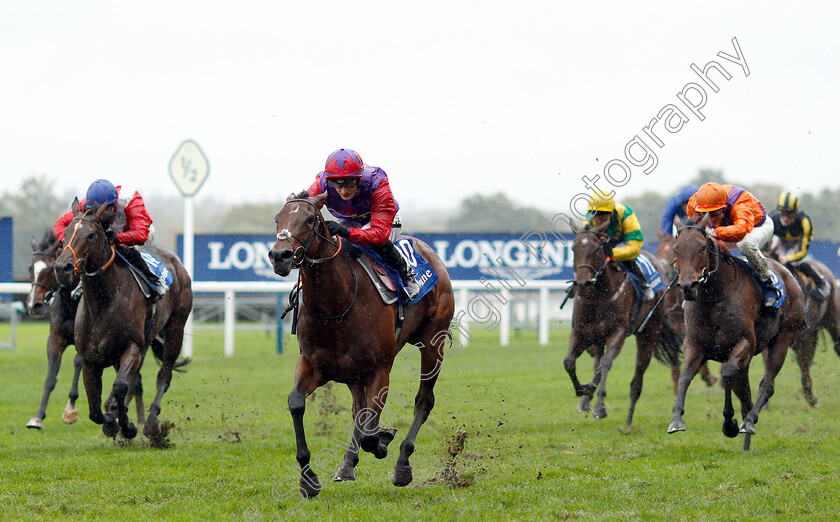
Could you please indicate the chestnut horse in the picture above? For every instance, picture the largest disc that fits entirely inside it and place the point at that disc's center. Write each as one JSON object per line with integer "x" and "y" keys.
{"x": 673, "y": 307}
{"x": 725, "y": 322}
{"x": 347, "y": 334}
{"x": 604, "y": 299}
{"x": 44, "y": 295}
{"x": 115, "y": 323}
{"x": 819, "y": 313}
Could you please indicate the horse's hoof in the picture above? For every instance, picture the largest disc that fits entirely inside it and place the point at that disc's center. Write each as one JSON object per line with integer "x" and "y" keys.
{"x": 675, "y": 426}
{"x": 70, "y": 415}
{"x": 344, "y": 474}
{"x": 151, "y": 429}
{"x": 35, "y": 423}
{"x": 747, "y": 427}
{"x": 710, "y": 381}
{"x": 402, "y": 476}
{"x": 309, "y": 485}
{"x": 386, "y": 435}
{"x": 599, "y": 412}
{"x": 730, "y": 428}
{"x": 110, "y": 429}
{"x": 583, "y": 406}
{"x": 129, "y": 431}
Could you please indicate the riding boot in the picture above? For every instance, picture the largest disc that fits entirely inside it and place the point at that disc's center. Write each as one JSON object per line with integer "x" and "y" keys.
{"x": 822, "y": 288}
{"x": 771, "y": 285}
{"x": 647, "y": 291}
{"x": 394, "y": 259}
{"x": 157, "y": 287}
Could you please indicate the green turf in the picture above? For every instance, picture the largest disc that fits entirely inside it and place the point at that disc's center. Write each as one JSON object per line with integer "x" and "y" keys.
{"x": 526, "y": 453}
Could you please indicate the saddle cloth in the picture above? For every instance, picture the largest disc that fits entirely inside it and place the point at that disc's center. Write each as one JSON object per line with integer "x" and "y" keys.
{"x": 652, "y": 275}
{"x": 776, "y": 283}
{"x": 423, "y": 271}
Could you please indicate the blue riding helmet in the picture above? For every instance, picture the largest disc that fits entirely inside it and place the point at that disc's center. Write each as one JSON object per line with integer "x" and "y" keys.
{"x": 102, "y": 192}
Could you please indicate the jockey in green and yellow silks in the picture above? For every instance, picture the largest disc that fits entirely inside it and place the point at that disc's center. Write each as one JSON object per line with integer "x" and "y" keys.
{"x": 623, "y": 229}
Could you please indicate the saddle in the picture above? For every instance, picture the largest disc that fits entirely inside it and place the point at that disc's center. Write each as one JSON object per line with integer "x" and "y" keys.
{"x": 380, "y": 279}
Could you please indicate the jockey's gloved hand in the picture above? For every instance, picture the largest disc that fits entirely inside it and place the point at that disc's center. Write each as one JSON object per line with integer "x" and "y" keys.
{"x": 111, "y": 234}
{"x": 608, "y": 250}
{"x": 337, "y": 229}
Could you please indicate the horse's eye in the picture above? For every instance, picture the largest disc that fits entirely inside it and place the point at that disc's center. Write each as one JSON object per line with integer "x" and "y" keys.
{"x": 310, "y": 220}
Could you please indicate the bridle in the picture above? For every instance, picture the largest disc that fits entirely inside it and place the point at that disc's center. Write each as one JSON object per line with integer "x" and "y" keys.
{"x": 596, "y": 273}
{"x": 48, "y": 290}
{"x": 77, "y": 261}
{"x": 286, "y": 235}
{"x": 708, "y": 271}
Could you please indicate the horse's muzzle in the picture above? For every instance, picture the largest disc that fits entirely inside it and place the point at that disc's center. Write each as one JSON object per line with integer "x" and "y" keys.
{"x": 281, "y": 260}
{"x": 37, "y": 309}
{"x": 63, "y": 272}
{"x": 690, "y": 290}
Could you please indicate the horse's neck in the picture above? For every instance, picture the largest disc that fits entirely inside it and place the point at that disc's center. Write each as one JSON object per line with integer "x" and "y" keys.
{"x": 328, "y": 287}
{"x": 100, "y": 290}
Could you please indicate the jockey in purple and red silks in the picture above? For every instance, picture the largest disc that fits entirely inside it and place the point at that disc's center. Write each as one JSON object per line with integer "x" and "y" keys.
{"x": 360, "y": 197}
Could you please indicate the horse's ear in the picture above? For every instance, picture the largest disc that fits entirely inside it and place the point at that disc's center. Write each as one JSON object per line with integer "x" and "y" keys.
{"x": 291, "y": 197}
{"x": 678, "y": 222}
{"x": 75, "y": 207}
{"x": 575, "y": 229}
{"x": 101, "y": 212}
{"x": 600, "y": 228}
{"x": 703, "y": 222}
{"x": 34, "y": 244}
{"x": 320, "y": 199}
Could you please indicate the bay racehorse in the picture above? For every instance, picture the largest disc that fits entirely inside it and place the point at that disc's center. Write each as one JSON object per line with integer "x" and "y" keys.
{"x": 820, "y": 312}
{"x": 726, "y": 322}
{"x": 673, "y": 301}
{"x": 347, "y": 334}
{"x": 115, "y": 323}
{"x": 46, "y": 295}
{"x": 603, "y": 316}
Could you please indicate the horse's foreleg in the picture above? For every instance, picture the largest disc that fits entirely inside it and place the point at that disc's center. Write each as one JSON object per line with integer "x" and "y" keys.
{"x": 775, "y": 359}
{"x": 347, "y": 471}
{"x": 374, "y": 439}
{"x": 693, "y": 361}
{"x": 305, "y": 383}
{"x": 576, "y": 348}
{"x": 135, "y": 391}
{"x": 54, "y": 351}
{"x": 738, "y": 362}
{"x": 130, "y": 364}
{"x": 804, "y": 347}
{"x": 70, "y": 413}
{"x": 93, "y": 387}
{"x": 430, "y": 363}
{"x": 614, "y": 344}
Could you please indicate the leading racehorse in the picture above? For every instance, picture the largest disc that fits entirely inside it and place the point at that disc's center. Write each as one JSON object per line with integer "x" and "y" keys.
{"x": 115, "y": 323}
{"x": 347, "y": 334}
{"x": 725, "y": 322}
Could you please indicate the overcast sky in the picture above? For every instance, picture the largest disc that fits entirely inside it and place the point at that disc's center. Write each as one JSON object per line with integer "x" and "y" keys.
{"x": 449, "y": 98}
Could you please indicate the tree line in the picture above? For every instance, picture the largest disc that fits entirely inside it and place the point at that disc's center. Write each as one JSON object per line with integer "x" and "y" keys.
{"x": 35, "y": 206}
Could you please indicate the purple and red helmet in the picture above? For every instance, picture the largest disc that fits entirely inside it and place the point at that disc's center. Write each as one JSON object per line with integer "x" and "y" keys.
{"x": 344, "y": 163}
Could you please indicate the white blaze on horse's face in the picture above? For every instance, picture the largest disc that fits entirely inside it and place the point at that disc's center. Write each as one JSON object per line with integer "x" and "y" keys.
{"x": 37, "y": 268}
{"x": 295, "y": 210}
{"x": 584, "y": 240}
{"x": 284, "y": 235}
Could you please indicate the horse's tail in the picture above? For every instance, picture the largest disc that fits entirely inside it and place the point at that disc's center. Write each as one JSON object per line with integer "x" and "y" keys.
{"x": 669, "y": 346}
{"x": 157, "y": 350}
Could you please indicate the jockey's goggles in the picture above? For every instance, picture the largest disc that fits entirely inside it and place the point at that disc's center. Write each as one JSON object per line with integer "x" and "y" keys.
{"x": 345, "y": 182}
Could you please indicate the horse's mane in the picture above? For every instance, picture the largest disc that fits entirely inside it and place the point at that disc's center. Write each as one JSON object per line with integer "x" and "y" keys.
{"x": 48, "y": 240}
{"x": 303, "y": 194}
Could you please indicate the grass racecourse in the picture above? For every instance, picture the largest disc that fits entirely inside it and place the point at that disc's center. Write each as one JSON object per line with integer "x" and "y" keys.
{"x": 503, "y": 442}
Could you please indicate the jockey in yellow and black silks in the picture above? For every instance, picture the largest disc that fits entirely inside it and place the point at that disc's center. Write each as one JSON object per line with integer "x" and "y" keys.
{"x": 623, "y": 229}
{"x": 792, "y": 231}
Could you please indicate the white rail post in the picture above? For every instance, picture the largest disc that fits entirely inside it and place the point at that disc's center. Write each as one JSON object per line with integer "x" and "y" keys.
{"x": 464, "y": 328}
{"x": 504, "y": 326}
{"x": 545, "y": 314}
{"x": 230, "y": 322}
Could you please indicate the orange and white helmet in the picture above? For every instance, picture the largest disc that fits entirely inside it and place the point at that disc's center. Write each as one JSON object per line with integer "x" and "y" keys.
{"x": 710, "y": 197}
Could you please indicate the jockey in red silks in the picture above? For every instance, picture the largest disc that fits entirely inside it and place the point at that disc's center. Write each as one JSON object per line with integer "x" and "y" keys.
{"x": 132, "y": 223}
{"x": 360, "y": 197}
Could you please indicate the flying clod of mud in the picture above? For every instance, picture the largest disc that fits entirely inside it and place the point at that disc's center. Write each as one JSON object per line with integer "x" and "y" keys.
{"x": 162, "y": 440}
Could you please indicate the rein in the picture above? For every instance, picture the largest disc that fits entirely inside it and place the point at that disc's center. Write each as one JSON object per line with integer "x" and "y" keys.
{"x": 707, "y": 271}
{"x": 295, "y": 296}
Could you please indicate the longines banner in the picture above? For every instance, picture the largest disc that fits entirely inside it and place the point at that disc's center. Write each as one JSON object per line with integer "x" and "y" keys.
{"x": 244, "y": 257}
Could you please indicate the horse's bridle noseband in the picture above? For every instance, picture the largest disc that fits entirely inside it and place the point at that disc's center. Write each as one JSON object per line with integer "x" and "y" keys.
{"x": 77, "y": 262}
{"x": 285, "y": 235}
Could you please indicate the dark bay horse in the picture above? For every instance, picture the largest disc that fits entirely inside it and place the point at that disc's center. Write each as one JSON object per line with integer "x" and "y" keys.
{"x": 819, "y": 314}
{"x": 673, "y": 301}
{"x": 725, "y": 322}
{"x": 44, "y": 295}
{"x": 347, "y": 334}
{"x": 115, "y": 323}
{"x": 604, "y": 298}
